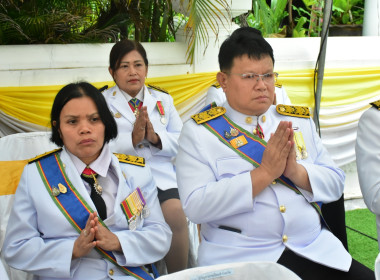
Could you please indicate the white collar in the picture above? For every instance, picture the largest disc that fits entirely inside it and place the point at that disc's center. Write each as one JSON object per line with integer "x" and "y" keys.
{"x": 139, "y": 96}
{"x": 100, "y": 165}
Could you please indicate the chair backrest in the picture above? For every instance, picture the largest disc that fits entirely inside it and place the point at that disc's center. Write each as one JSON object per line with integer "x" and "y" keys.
{"x": 235, "y": 271}
{"x": 15, "y": 150}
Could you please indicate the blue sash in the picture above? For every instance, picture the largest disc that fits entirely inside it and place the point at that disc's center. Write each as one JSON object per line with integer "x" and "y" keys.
{"x": 75, "y": 208}
{"x": 252, "y": 151}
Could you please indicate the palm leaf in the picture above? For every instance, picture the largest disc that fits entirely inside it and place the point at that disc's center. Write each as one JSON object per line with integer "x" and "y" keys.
{"x": 204, "y": 15}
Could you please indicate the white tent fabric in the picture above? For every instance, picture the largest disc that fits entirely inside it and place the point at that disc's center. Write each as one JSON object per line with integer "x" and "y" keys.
{"x": 235, "y": 271}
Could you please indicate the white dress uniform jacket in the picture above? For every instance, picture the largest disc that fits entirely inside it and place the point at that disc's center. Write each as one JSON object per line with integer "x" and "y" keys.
{"x": 40, "y": 239}
{"x": 215, "y": 187}
{"x": 368, "y": 160}
{"x": 218, "y": 96}
{"x": 160, "y": 161}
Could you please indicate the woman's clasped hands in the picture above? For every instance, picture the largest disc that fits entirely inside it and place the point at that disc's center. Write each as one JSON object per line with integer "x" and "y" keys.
{"x": 95, "y": 234}
{"x": 143, "y": 129}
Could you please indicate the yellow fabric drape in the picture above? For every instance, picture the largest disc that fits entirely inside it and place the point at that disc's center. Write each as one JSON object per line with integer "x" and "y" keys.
{"x": 340, "y": 87}
{"x": 10, "y": 173}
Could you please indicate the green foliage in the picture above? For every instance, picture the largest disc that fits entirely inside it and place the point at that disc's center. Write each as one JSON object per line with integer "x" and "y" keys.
{"x": 85, "y": 21}
{"x": 268, "y": 19}
{"x": 347, "y": 12}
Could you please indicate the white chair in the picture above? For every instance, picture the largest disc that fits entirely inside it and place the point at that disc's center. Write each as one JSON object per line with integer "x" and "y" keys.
{"x": 14, "y": 149}
{"x": 235, "y": 271}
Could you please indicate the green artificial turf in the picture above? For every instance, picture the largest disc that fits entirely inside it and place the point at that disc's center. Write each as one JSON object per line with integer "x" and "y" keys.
{"x": 362, "y": 248}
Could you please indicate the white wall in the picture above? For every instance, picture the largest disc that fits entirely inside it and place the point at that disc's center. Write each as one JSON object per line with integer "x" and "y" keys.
{"x": 23, "y": 65}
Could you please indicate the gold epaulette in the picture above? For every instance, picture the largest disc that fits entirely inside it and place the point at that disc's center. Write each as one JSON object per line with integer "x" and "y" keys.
{"x": 376, "y": 104}
{"x": 216, "y": 85}
{"x": 130, "y": 159}
{"x": 209, "y": 114}
{"x": 294, "y": 111}
{"x": 158, "y": 88}
{"x": 43, "y": 155}
{"x": 277, "y": 84}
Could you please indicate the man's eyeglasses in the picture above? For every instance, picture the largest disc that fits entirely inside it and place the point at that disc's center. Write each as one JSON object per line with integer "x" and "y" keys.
{"x": 268, "y": 78}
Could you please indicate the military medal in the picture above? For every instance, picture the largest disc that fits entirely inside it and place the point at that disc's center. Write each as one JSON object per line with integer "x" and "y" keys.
{"x": 133, "y": 224}
{"x": 227, "y": 135}
{"x": 161, "y": 111}
{"x": 55, "y": 191}
{"x": 62, "y": 188}
{"x": 239, "y": 141}
{"x": 234, "y": 132}
{"x": 98, "y": 188}
{"x": 133, "y": 207}
{"x": 301, "y": 152}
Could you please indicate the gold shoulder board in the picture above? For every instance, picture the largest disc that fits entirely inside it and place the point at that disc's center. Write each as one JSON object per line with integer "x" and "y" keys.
{"x": 376, "y": 104}
{"x": 216, "y": 85}
{"x": 158, "y": 88}
{"x": 294, "y": 111}
{"x": 43, "y": 155}
{"x": 277, "y": 84}
{"x": 209, "y": 114}
{"x": 131, "y": 159}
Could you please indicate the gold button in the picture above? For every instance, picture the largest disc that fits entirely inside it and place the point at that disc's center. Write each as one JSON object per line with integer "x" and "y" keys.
{"x": 274, "y": 182}
{"x": 248, "y": 120}
{"x": 114, "y": 93}
{"x": 254, "y": 131}
{"x": 64, "y": 165}
{"x": 141, "y": 146}
{"x": 117, "y": 115}
{"x": 284, "y": 238}
{"x": 110, "y": 272}
{"x": 263, "y": 118}
{"x": 282, "y": 209}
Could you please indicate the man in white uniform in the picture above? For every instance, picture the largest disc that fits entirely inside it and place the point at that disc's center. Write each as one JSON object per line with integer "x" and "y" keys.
{"x": 253, "y": 175}
{"x": 368, "y": 159}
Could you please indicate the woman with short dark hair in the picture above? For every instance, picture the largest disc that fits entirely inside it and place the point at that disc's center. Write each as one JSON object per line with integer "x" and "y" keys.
{"x": 81, "y": 212}
{"x": 149, "y": 126}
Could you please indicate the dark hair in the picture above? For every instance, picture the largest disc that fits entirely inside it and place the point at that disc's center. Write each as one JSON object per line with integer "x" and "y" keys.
{"x": 243, "y": 41}
{"x": 121, "y": 48}
{"x": 78, "y": 90}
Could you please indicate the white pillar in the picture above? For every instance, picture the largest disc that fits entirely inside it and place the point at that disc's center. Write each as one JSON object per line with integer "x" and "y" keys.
{"x": 371, "y": 22}
{"x": 206, "y": 59}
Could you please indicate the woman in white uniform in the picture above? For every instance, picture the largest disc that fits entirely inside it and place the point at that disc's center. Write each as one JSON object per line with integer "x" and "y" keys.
{"x": 58, "y": 228}
{"x": 149, "y": 126}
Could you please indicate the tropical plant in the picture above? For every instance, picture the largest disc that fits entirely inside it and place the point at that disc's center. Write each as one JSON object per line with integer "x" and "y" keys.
{"x": 83, "y": 21}
{"x": 267, "y": 18}
{"x": 347, "y": 12}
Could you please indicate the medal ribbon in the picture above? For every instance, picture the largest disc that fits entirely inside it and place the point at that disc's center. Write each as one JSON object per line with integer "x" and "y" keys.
{"x": 160, "y": 109}
{"x": 252, "y": 151}
{"x": 75, "y": 208}
{"x": 133, "y": 204}
{"x": 134, "y": 104}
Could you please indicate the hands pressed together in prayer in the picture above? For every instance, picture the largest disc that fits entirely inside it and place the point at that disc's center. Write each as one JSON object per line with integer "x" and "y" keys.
{"x": 279, "y": 158}
{"x": 143, "y": 129}
{"x": 95, "y": 234}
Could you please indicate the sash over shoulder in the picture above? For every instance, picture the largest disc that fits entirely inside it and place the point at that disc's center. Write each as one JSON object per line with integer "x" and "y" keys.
{"x": 43, "y": 155}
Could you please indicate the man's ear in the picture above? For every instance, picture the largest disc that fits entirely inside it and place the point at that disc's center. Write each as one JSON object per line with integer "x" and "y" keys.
{"x": 222, "y": 80}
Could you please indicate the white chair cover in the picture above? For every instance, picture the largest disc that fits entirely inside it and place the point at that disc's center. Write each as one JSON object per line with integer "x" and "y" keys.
{"x": 18, "y": 146}
{"x": 235, "y": 271}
